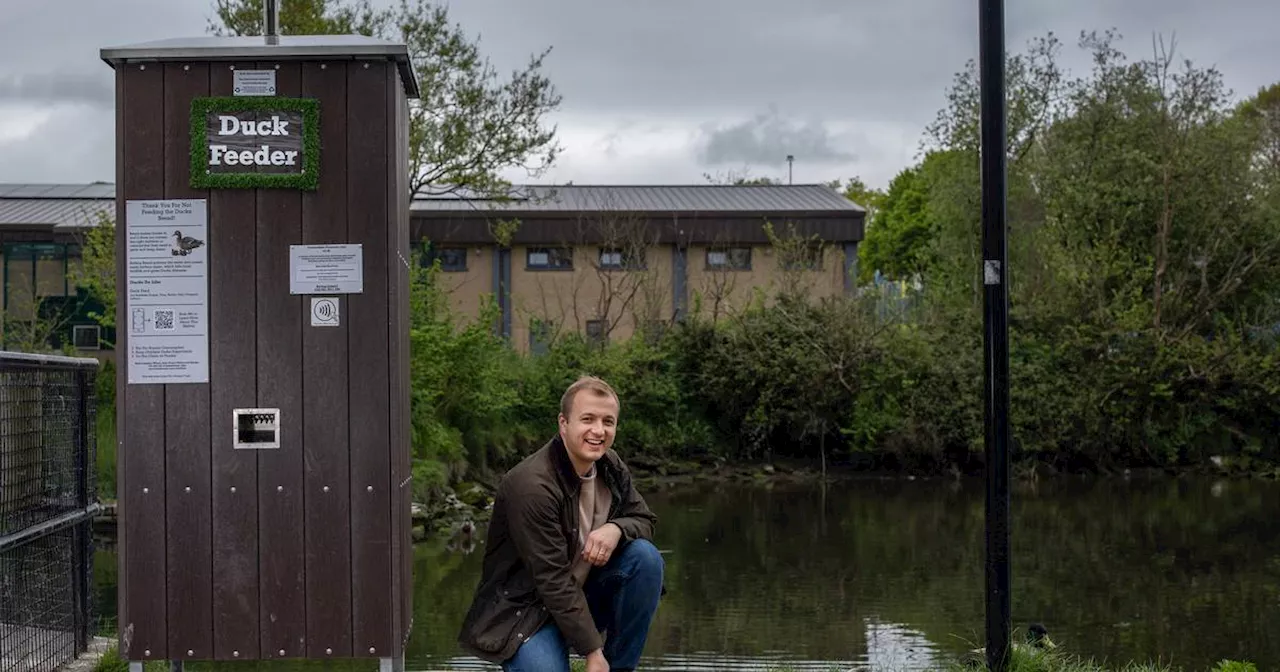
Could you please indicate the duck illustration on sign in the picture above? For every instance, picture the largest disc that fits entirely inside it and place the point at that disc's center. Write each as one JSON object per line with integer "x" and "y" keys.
{"x": 182, "y": 245}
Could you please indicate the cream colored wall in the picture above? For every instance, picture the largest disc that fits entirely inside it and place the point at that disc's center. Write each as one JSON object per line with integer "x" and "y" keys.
{"x": 569, "y": 299}
{"x": 468, "y": 289}
{"x": 714, "y": 293}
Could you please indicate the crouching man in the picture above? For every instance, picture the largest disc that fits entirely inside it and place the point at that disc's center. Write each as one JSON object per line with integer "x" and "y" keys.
{"x": 569, "y": 562}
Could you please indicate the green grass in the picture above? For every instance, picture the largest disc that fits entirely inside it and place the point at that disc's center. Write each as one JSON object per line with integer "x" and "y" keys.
{"x": 111, "y": 662}
{"x": 106, "y": 452}
{"x": 1040, "y": 661}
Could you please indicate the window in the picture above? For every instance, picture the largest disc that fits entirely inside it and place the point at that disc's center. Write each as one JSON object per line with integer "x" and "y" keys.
{"x": 452, "y": 259}
{"x": 540, "y": 333}
{"x": 595, "y": 331}
{"x": 86, "y": 336}
{"x": 550, "y": 258}
{"x": 617, "y": 258}
{"x": 729, "y": 258}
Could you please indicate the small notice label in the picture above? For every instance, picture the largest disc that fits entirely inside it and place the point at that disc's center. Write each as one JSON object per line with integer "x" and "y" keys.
{"x": 326, "y": 269}
{"x": 254, "y": 83}
{"x": 324, "y": 311}
{"x": 991, "y": 272}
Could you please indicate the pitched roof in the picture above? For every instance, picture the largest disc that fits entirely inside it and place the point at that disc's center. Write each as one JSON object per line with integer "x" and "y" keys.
{"x": 781, "y": 198}
{"x": 90, "y": 190}
{"x": 58, "y": 206}
{"x": 74, "y": 205}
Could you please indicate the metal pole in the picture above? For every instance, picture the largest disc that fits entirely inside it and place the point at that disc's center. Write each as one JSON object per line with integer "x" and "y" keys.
{"x": 995, "y": 257}
{"x": 271, "y": 21}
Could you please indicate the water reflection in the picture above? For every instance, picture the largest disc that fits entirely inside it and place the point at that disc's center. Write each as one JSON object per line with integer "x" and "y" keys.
{"x": 887, "y": 574}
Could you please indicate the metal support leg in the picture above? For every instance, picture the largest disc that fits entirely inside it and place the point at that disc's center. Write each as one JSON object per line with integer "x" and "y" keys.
{"x": 135, "y": 666}
{"x": 391, "y": 664}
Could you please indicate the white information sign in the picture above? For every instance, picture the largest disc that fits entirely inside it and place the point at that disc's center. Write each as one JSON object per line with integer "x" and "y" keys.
{"x": 254, "y": 83}
{"x": 167, "y": 275}
{"x": 326, "y": 269}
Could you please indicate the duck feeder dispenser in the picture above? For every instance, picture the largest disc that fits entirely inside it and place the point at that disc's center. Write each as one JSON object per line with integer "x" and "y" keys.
{"x": 262, "y": 394}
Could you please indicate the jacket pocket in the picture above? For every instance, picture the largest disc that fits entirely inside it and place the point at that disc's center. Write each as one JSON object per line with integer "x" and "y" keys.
{"x": 492, "y": 623}
{"x": 495, "y": 619}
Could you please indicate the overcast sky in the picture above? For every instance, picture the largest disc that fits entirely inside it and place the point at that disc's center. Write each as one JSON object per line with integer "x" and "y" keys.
{"x": 660, "y": 91}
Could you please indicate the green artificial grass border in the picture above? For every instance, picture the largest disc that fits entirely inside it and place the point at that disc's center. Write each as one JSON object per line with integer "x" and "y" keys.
{"x": 308, "y": 179}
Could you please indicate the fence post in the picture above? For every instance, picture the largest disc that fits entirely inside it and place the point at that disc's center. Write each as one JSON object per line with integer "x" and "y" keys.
{"x": 83, "y": 567}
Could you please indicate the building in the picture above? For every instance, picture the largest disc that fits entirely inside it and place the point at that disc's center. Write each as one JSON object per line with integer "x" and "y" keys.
{"x": 606, "y": 260}
{"x": 603, "y": 261}
{"x": 41, "y": 231}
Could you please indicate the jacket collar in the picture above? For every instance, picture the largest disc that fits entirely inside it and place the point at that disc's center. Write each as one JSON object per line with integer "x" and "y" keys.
{"x": 568, "y": 476}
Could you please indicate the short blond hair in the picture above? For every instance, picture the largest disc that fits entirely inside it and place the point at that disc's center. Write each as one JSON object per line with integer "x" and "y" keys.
{"x": 587, "y": 383}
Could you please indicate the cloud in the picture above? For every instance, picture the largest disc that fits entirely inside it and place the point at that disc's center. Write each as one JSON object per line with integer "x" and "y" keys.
{"x": 63, "y": 144}
{"x": 656, "y": 92}
{"x": 58, "y": 87}
{"x": 767, "y": 139}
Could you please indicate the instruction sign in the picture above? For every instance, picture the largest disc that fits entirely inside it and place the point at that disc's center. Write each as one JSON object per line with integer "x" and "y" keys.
{"x": 254, "y": 83}
{"x": 326, "y": 269}
{"x": 167, "y": 276}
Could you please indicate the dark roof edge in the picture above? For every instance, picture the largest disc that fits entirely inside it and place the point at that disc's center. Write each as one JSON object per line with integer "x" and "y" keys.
{"x": 198, "y": 50}
{"x": 475, "y": 213}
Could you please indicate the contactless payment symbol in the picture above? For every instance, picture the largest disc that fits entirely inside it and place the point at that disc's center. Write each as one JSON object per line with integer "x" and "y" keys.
{"x": 324, "y": 311}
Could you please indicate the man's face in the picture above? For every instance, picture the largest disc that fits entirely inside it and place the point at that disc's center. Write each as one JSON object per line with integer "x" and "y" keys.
{"x": 589, "y": 428}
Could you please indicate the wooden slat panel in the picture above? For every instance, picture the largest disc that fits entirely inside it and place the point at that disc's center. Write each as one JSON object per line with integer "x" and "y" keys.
{"x": 324, "y": 385}
{"x": 144, "y": 626}
{"x": 123, "y": 556}
{"x": 397, "y": 297}
{"x": 233, "y": 383}
{"x": 371, "y": 559}
{"x": 403, "y": 446}
{"x": 188, "y": 519}
{"x": 283, "y": 615}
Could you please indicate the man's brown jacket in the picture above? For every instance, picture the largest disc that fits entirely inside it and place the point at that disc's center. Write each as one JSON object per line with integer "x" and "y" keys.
{"x": 531, "y": 547}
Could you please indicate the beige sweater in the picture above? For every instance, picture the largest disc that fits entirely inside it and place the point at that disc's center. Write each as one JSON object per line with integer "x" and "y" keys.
{"x": 593, "y": 511}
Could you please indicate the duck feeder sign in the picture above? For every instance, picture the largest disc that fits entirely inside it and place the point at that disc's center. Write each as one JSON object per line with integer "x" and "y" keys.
{"x": 259, "y": 142}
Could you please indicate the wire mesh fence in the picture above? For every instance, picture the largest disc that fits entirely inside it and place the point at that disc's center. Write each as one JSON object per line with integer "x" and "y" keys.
{"x": 48, "y": 495}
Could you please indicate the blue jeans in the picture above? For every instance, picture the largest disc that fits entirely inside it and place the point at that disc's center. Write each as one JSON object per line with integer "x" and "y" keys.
{"x": 623, "y": 597}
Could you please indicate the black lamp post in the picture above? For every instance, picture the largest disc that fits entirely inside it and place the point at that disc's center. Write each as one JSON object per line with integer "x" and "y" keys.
{"x": 995, "y": 256}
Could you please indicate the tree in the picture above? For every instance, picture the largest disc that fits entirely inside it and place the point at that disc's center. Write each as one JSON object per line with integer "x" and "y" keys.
{"x": 469, "y": 125}
{"x": 897, "y": 244}
{"x": 1144, "y": 254}
{"x": 857, "y": 191}
{"x": 741, "y": 178}
{"x": 36, "y": 324}
{"x": 97, "y": 271}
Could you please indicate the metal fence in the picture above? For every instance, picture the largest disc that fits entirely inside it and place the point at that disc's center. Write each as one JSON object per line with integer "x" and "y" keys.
{"x": 48, "y": 497}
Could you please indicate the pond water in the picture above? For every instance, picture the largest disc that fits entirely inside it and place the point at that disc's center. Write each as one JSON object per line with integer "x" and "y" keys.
{"x": 888, "y": 574}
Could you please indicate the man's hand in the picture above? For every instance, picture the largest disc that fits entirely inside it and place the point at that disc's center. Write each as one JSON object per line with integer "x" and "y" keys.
{"x": 596, "y": 661}
{"x": 600, "y": 545}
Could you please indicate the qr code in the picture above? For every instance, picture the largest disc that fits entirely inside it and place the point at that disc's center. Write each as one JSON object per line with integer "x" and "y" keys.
{"x": 164, "y": 320}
